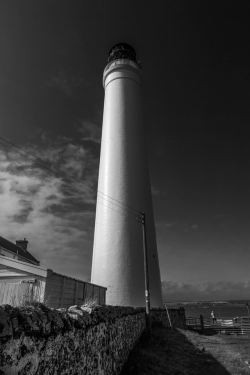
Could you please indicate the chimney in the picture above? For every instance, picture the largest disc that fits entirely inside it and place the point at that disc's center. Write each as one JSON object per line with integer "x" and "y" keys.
{"x": 22, "y": 243}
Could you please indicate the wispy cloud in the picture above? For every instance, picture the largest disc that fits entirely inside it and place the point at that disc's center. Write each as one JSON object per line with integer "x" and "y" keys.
{"x": 169, "y": 225}
{"x": 90, "y": 131}
{"x": 72, "y": 158}
{"x": 56, "y": 216}
{"x": 179, "y": 291}
{"x": 164, "y": 225}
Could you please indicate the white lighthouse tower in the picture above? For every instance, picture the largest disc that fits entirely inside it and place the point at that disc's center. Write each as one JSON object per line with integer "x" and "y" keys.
{"x": 124, "y": 189}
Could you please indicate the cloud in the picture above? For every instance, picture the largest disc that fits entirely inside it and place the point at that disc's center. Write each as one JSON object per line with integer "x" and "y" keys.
{"x": 164, "y": 225}
{"x": 65, "y": 83}
{"x": 221, "y": 290}
{"x": 55, "y": 215}
{"x": 90, "y": 131}
{"x": 72, "y": 158}
{"x": 169, "y": 225}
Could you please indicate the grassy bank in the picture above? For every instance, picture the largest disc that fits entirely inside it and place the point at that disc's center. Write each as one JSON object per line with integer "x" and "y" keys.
{"x": 186, "y": 352}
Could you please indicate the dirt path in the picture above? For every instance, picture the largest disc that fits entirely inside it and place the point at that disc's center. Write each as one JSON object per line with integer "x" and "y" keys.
{"x": 185, "y": 352}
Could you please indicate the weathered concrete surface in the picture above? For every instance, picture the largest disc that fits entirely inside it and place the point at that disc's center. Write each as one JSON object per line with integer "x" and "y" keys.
{"x": 39, "y": 340}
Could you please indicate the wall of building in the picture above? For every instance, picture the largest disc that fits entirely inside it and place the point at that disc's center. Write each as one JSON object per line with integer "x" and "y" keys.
{"x": 64, "y": 291}
{"x": 8, "y": 253}
{"x": 55, "y": 290}
{"x": 80, "y": 340}
{"x": 17, "y": 292}
{"x": 9, "y": 292}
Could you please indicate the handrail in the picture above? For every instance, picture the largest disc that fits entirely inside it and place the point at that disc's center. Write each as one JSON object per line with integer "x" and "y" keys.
{"x": 122, "y": 62}
{"x": 220, "y": 322}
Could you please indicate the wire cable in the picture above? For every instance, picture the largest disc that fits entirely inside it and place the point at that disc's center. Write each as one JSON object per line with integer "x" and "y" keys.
{"x": 135, "y": 218}
{"x": 67, "y": 176}
{"x": 76, "y": 184}
{"x": 116, "y": 205}
{"x": 50, "y": 165}
{"x": 43, "y": 161}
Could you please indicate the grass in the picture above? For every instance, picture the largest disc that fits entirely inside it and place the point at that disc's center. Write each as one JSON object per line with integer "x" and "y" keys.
{"x": 185, "y": 352}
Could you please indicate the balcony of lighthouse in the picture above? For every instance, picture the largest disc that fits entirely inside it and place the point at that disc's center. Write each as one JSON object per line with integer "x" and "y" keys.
{"x": 122, "y": 62}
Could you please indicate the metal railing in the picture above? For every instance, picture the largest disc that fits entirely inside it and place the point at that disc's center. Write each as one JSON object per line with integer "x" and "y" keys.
{"x": 229, "y": 325}
{"x": 122, "y": 62}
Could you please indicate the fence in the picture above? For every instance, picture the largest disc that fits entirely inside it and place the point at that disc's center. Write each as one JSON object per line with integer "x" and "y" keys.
{"x": 63, "y": 291}
{"x": 28, "y": 282}
{"x": 226, "y": 325}
{"x": 245, "y": 325}
{"x": 55, "y": 291}
{"x": 195, "y": 323}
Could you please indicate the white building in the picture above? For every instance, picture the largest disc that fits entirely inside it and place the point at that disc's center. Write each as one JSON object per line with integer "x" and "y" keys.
{"x": 17, "y": 251}
{"x": 124, "y": 189}
{"x": 23, "y": 280}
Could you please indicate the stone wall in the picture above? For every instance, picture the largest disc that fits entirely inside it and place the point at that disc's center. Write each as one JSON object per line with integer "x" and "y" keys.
{"x": 81, "y": 340}
{"x": 39, "y": 340}
{"x": 176, "y": 315}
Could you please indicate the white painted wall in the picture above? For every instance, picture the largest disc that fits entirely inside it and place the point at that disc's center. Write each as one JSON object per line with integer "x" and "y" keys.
{"x": 123, "y": 175}
{"x": 7, "y": 253}
{"x": 16, "y": 292}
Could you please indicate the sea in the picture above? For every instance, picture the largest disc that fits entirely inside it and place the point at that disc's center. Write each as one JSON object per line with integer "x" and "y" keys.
{"x": 222, "y": 309}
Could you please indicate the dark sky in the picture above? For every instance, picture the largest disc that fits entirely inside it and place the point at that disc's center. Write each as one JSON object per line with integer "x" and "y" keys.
{"x": 196, "y": 91}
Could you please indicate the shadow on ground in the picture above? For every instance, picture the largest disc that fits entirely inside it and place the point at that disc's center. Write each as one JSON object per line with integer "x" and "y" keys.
{"x": 171, "y": 353}
{"x": 207, "y": 331}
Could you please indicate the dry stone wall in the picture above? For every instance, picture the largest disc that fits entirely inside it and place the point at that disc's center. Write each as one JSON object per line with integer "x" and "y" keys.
{"x": 176, "y": 316}
{"x": 80, "y": 340}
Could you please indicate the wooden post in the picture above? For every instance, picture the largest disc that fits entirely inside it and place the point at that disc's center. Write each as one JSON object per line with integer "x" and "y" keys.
{"x": 76, "y": 290}
{"x": 248, "y": 310}
{"x": 62, "y": 292}
{"x": 84, "y": 292}
{"x": 248, "y": 316}
{"x": 202, "y": 324}
{"x": 169, "y": 319}
{"x": 99, "y": 295}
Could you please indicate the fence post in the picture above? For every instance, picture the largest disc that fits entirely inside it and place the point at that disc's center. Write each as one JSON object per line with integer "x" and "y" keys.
{"x": 62, "y": 292}
{"x": 170, "y": 323}
{"x": 76, "y": 293}
{"x": 84, "y": 292}
{"x": 146, "y": 273}
{"x": 202, "y": 324}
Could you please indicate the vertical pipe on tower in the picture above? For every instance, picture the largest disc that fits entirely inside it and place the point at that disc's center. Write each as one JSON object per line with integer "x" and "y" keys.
{"x": 124, "y": 177}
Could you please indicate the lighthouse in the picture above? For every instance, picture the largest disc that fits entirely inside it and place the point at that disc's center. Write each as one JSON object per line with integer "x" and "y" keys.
{"x": 124, "y": 190}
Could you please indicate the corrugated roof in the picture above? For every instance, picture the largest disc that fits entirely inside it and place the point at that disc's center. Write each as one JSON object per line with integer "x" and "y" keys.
{"x": 18, "y": 250}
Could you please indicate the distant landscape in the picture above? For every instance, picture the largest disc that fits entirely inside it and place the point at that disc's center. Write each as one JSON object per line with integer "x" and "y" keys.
{"x": 208, "y": 303}
{"x": 222, "y": 309}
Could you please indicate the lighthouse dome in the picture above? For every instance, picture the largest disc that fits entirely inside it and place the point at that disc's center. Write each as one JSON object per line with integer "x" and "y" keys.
{"x": 122, "y": 51}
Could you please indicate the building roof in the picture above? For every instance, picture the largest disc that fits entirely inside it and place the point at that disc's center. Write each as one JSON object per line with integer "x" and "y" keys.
{"x": 18, "y": 250}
